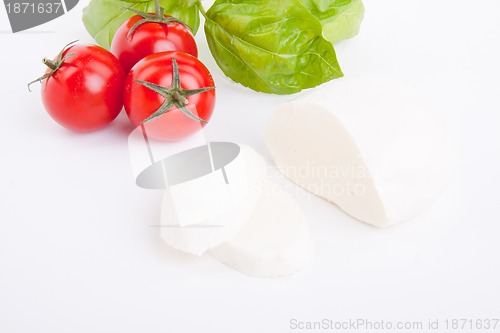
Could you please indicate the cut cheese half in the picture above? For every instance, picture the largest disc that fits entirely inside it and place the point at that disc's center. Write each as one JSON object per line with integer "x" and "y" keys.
{"x": 274, "y": 242}
{"x": 369, "y": 145}
{"x": 207, "y": 211}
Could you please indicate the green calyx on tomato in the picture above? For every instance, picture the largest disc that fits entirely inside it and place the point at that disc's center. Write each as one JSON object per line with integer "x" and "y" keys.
{"x": 174, "y": 96}
{"x": 157, "y": 17}
{"x": 54, "y": 64}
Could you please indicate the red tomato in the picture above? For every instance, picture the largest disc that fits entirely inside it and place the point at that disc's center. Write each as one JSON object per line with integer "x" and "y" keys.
{"x": 149, "y": 38}
{"x": 195, "y": 91}
{"x": 85, "y": 93}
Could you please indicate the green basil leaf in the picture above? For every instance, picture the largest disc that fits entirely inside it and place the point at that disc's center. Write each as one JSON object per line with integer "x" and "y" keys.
{"x": 341, "y": 19}
{"x": 273, "y": 46}
{"x": 103, "y": 17}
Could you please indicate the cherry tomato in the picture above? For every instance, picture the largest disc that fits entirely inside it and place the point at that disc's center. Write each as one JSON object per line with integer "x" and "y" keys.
{"x": 171, "y": 93}
{"x": 83, "y": 88}
{"x": 150, "y": 37}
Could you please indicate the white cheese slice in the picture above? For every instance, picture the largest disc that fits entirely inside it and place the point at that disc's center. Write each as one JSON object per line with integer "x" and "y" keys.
{"x": 369, "y": 145}
{"x": 205, "y": 212}
{"x": 274, "y": 242}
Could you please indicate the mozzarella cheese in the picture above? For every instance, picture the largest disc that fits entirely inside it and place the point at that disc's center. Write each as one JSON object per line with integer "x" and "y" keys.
{"x": 369, "y": 145}
{"x": 207, "y": 211}
{"x": 274, "y": 242}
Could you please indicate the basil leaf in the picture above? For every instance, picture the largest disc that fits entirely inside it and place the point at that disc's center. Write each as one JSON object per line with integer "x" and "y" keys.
{"x": 103, "y": 17}
{"x": 341, "y": 19}
{"x": 273, "y": 46}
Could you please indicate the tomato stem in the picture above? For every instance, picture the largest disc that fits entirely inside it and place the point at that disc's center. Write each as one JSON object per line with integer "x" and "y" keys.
{"x": 157, "y": 17}
{"x": 179, "y": 98}
{"x": 54, "y": 64}
{"x": 49, "y": 63}
{"x": 158, "y": 9}
{"x": 174, "y": 96}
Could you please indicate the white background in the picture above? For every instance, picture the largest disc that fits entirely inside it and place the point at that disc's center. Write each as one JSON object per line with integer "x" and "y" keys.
{"x": 78, "y": 253}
